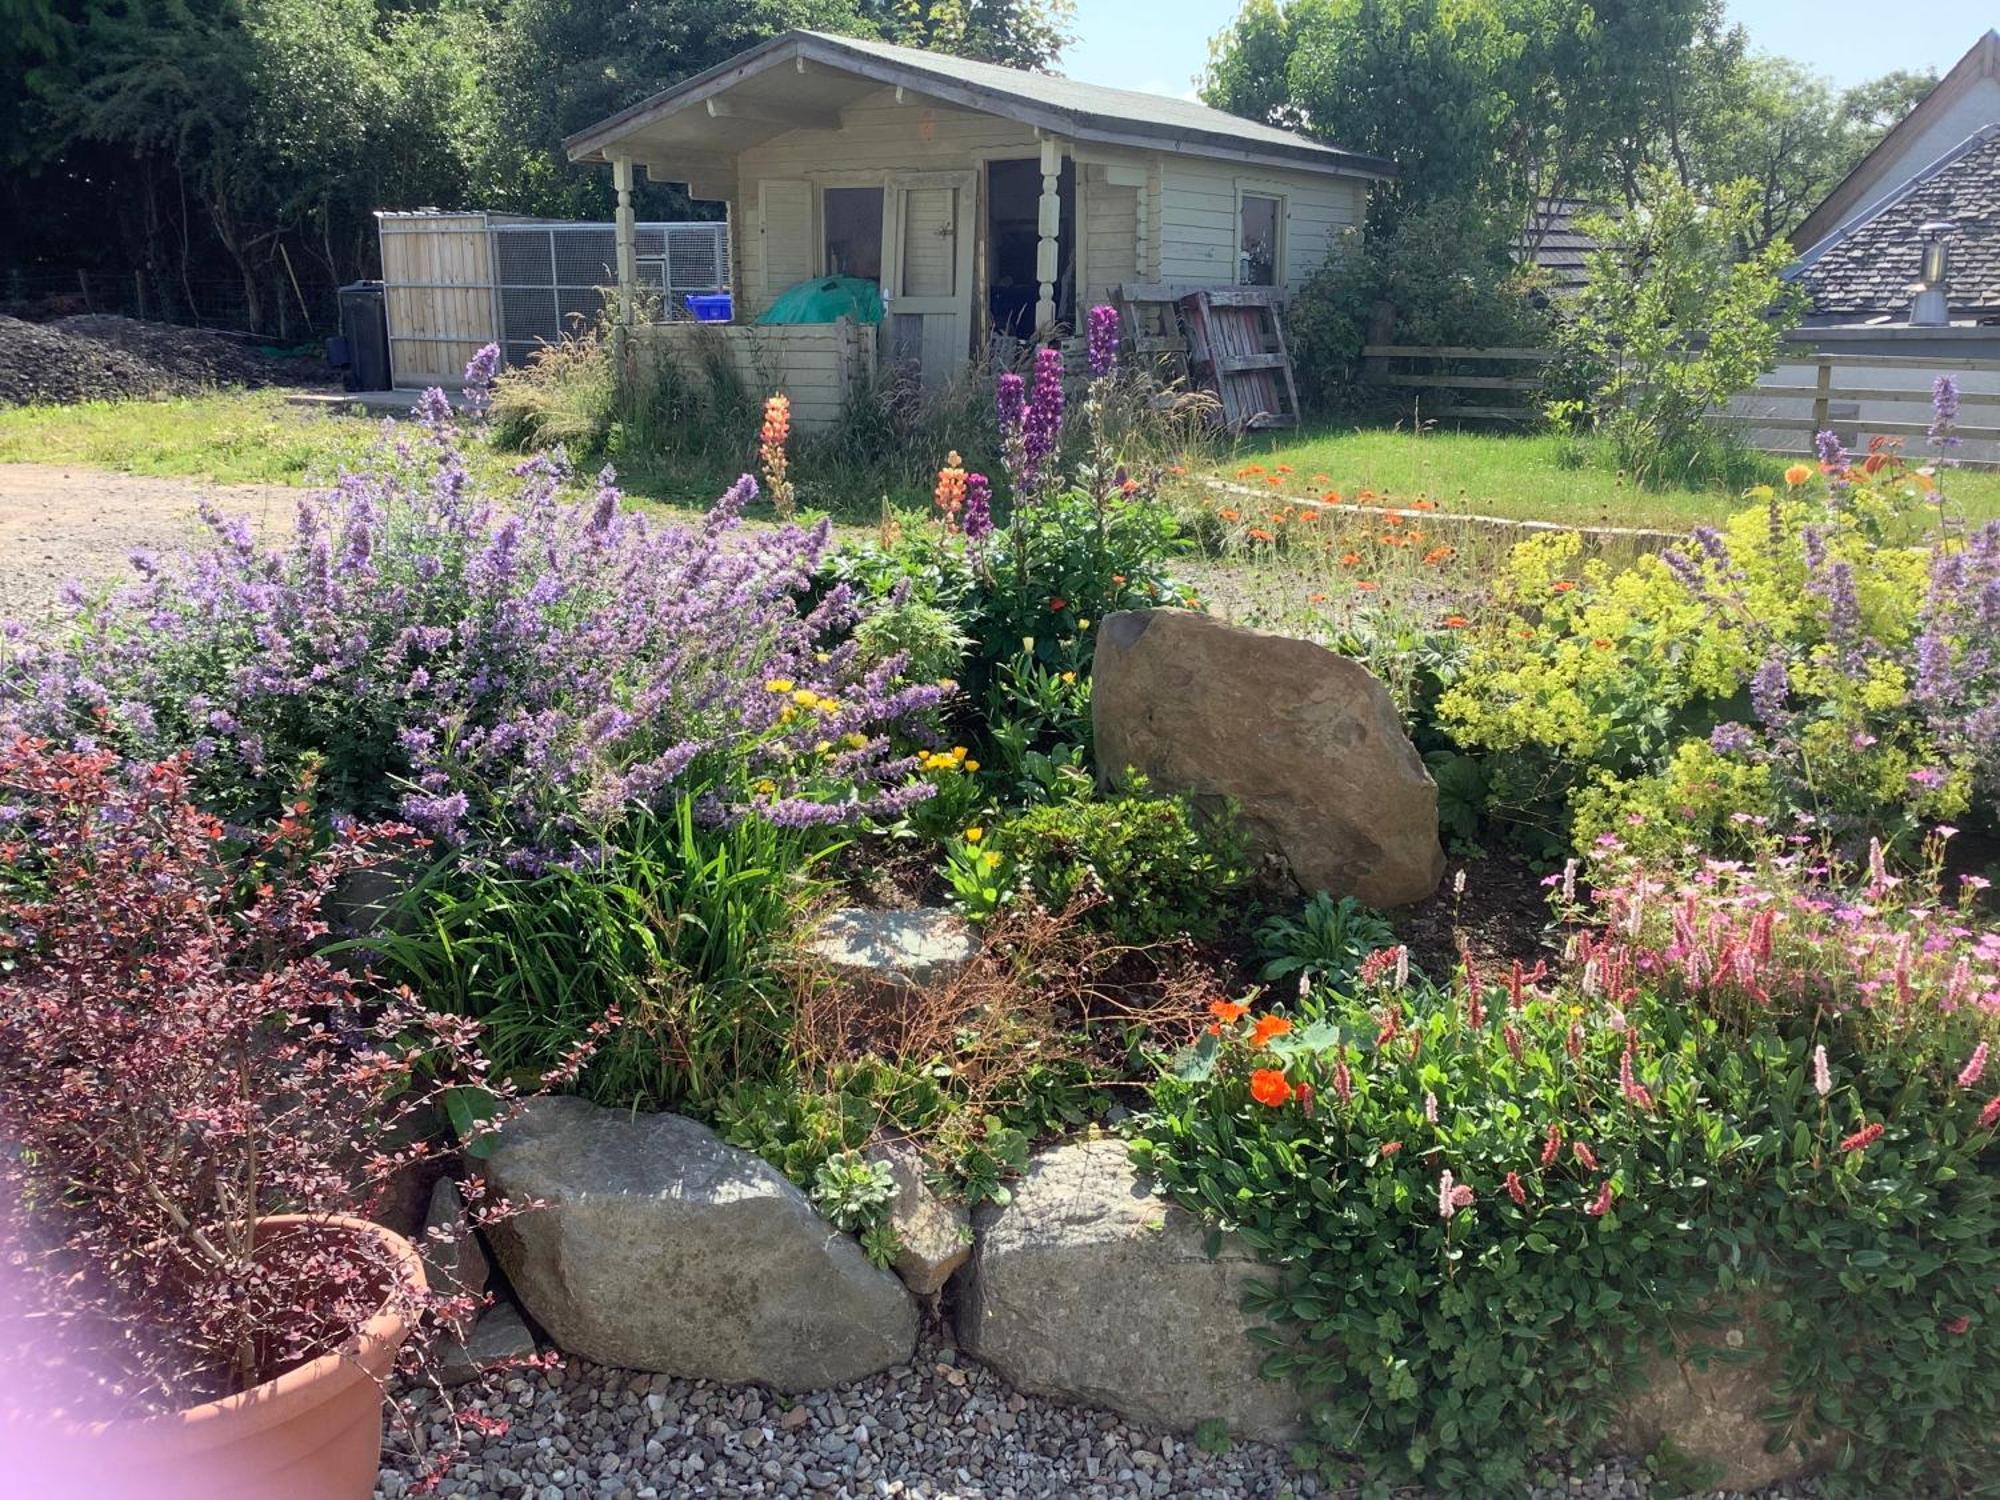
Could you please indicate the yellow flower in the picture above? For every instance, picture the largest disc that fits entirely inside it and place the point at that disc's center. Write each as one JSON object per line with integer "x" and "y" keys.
{"x": 822, "y": 747}
{"x": 854, "y": 741}
{"x": 767, "y": 786}
{"x": 1068, "y": 677}
{"x": 1083, "y": 624}
{"x": 805, "y": 697}
{"x": 972, "y": 765}
{"x": 778, "y": 685}
{"x": 974, "y": 835}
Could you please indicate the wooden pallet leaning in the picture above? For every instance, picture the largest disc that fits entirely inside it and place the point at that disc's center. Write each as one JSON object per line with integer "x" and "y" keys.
{"x": 1236, "y": 346}
{"x": 1152, "y": 320}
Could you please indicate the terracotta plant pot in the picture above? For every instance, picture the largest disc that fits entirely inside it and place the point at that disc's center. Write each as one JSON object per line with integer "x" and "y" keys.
{"x": 313, "y": 1433}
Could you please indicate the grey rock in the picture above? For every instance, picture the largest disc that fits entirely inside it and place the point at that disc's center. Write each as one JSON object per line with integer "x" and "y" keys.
{"x": 662, "y": 1247}
{"x": 455, "y": 1266}
{"x": 1089, "y": 1288}
{"x": 894, "y": 951}
{"x": 933, "y": 1237}
{"x": 1306, "y": 745}
{"x": 499, "y": 1338}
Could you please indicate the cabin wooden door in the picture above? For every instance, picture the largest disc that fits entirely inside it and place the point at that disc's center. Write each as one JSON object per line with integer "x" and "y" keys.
{"x": 927, "y": 272}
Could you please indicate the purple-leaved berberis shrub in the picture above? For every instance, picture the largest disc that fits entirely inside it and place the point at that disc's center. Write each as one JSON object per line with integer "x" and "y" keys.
{"x": 470, "y": 662}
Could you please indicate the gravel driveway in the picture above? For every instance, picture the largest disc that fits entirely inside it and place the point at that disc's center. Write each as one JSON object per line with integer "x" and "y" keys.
{"x": 59, "y": 522}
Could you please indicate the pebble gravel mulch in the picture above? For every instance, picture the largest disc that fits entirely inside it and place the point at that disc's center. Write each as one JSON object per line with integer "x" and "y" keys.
{"x": 939, "y": 1428}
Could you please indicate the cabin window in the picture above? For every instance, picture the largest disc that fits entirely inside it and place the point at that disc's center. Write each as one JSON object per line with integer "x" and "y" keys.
{"x": 1260, "y": 224}
{"x": 853, "y": 225}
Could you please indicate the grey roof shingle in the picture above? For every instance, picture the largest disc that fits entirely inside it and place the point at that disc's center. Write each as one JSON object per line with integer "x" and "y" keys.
{"x": 1867, "y": 267}
{"x": 1088, "y": 109}
{"x": 1553, "y": 244}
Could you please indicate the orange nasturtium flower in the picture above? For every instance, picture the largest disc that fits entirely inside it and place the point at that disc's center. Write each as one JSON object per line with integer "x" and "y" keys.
{"x": 1268, "y": 1027}
{"x": 1227, "y": 1011}
{"x": 1268, "y": 1087}
{"x": 1798, "y": 474}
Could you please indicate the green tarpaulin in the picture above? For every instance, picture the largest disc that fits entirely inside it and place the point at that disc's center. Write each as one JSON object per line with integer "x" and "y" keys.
{"x": 825, "y": 299}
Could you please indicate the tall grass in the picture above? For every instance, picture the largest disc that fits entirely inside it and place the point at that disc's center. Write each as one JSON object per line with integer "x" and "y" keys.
{"x": 681, "y": 927}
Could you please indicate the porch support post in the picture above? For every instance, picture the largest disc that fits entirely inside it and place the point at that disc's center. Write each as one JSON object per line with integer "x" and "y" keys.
{"x": 1050, "y": 223}
{"x": 628, "y": 240}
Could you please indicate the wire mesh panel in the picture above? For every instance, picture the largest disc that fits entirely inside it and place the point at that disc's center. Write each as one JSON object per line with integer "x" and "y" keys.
{"x": 556, "y": 279}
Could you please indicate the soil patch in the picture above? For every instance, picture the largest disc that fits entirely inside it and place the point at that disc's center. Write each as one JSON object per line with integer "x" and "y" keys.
{"x": 99, "y": 357}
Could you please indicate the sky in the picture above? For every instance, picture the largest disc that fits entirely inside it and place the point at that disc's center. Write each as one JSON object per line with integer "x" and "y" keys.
{"x": 1160, "y": 45}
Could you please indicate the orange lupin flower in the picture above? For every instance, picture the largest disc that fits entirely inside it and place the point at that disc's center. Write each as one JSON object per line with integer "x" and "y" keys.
{"x": 771, "y": 439}
{"x": 950, "y": 491}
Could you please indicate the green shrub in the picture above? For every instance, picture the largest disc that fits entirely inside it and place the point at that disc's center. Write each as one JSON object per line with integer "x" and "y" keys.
{"x": 1490, "y": 1205}
{"x": 679, "y": 927}
{"x": 1324, "y": 945}
{"x": 1160, "y": 870}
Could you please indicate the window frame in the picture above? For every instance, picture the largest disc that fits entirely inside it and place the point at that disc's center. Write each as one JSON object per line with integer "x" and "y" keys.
{"x": 1245, "y": 190}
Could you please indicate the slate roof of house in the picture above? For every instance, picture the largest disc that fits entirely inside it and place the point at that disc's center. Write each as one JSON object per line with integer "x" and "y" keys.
{"x": 1555, "y": 246}
{"x": 1086, "y": 110}
{"x": 1865, "y": 268}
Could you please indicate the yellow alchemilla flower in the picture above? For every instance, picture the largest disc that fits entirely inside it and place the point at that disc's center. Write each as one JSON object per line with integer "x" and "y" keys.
{"x": 778, "y": 685}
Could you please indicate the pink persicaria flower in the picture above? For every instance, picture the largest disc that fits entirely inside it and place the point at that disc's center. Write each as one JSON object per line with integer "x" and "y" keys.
{"x": 1959, "y": 1324}
{"x": 1431, "y": 1107}
{"x": 1974, "y": 1069}
{"x": 1452, "y": 1196}
{"x": 1585, "y": 1155}
{"x": 1512, "y": 1038}
{"x": 1601, "y": 1204}
{"x": 1343, "y": 1081}
{"x": 1628, "y": 1083}
{"x": 1822, "y": 1074}
{"x": 1515, "y": 1190}
{"x": 1863, "y": 1138}
{"x": 1552, "y": 1147}
{"x": 1990, "y": 1116}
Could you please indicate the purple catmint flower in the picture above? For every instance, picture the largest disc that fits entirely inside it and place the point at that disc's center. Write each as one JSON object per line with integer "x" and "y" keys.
{"x": 1944, "y": 411}
{"x": 482, "y": 367}
{"x": 1831, "y": 454}
{"x": 1731, "y": 739}
{"x": 977, "y": 518}
{"x": 1103, "y": 340}
{"x": 433, "y": 410}
{"x": 1770, "y": 691}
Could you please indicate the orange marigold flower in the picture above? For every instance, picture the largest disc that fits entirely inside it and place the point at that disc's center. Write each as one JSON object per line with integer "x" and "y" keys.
{"x": 1438, "y": 554}
{"x": 1231, "y": 516}
{"x": 1350, "y": 559}
{"x": 1456, "y": 622}
{"x": 1227, "y": 1011}
{"x": 1366, "y": 587}
{"x": 1259, "y": 534}
{"x": 1274, "y": 480}
{"x": 1331, "y": 497}
{"x": 1268, "y": 1087}
{"x": 1798, "y": 474}
{"x": 1423, "y": 505}
{"x": 1284, "y": 468}
{"x": 1268, "y": 1027}
{"x": 1365, "y": 495}
{"x": 1307, "y": 515}
{"x": 1393, "y": 519}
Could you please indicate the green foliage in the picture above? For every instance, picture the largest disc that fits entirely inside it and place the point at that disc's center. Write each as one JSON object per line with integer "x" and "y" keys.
{"x": 855, "y": 1194}
{"x": 1160, "y": 870}
{"x": 1324, "y": 945}
{"x": 927, "y": 637}
{"x": 1444, "y": 276}
{"x": 1450, "y": 1340}
{"x": 677, "y": 926}
{"x": 982, "y": 879}
{"x": 1675, "y": 319}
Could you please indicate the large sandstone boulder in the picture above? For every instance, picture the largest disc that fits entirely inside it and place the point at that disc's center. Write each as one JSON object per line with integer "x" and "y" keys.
{"x": 1704, "y": 1402}
{"x": 1089, "y": 1288}
{"x": 662, "y": 1247}
{"x": 1307, "y": 745}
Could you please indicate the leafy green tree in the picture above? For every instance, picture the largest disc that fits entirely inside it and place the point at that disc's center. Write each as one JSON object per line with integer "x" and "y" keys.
{"x": 1676, "y": 318}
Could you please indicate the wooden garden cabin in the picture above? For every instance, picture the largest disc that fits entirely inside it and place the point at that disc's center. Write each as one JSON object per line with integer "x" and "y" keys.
{"x": 983, "y": 200}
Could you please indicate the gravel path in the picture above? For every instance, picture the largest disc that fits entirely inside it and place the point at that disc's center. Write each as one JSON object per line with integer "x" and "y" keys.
{"x": 62, "y": 522}
{"x": 939, "y": 1428}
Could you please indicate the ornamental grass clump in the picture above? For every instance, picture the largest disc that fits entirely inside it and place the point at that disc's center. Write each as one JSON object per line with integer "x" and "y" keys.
{"x": 1748, "y": 1094}
{"x": 176, "y": 1065}
{"x": 479, "y": 664}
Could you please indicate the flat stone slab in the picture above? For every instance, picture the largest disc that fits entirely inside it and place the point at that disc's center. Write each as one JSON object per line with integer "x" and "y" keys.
{"x": 907, "y": 949}
{"x": 500, "y": 1338}
{"x": 659, "y": 1246}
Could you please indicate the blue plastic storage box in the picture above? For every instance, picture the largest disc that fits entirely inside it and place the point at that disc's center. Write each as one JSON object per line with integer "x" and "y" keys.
{"x": 710, "y": 309}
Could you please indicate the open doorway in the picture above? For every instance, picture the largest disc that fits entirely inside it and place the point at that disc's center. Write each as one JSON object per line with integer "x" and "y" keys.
{"x": 1013, "y": 232}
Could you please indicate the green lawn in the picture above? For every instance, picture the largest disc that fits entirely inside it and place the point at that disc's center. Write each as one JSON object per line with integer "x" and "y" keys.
{"x": 1535, "y": 476}
{"x": 239, "y": 437}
